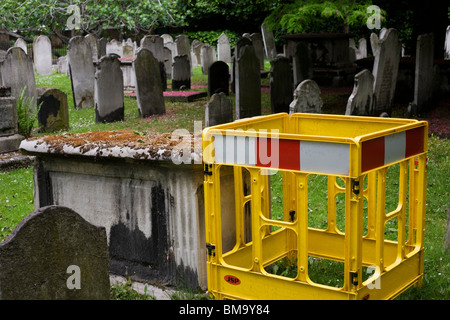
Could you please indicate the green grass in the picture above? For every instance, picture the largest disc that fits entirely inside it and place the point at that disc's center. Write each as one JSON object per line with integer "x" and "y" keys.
{"x": 16, "y": 189}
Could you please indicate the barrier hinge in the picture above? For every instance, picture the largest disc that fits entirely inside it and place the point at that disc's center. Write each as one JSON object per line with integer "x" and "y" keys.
{"x": 210, "y": 247}
{"x": 207, "y": 167}
{"x": 355, "y": 186}
{"x": 354, "y": 276}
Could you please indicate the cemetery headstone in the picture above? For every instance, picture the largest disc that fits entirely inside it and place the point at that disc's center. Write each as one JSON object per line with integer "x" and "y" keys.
{"x": 170, "y": 44}
{"x": 269, "y": 42}
{"x": 93, "y": 43}
{"x": 306, "y": 98}
{"x": 258, "y": 44}
{"x": 128, "y": 52}
{"x": 360, "y": 102}
{"x": 82, "y": 72}
{"x": 42, "y": 52}
{"x": 385, "y": 71}
{"x": 54, "y": 254}
{"x": 21, "y": 44}
{"x": 207, "y": 57}
{"x": 54, "y": 113}
{"x": 149, "y": 91}
{"x": 374, "y": 43}
{"x": 102, "y": 43}
{"x": 9, "y": 137}
{"x": 248, "y": 84}
{"x": 447, "y": 43}
{"x": 302, "y": 64}
{"x": 181, "y": 73}
{"x": 218, "y": 78}
{"x": 109, "y": 105}
{"x": 63, "y": 65}
{"x": 168, "y": 61}
{"x": 223, "y": 48}
{"x": 182, "y": 46}
{"x": 218, "y": 110}
{"x": 362, "y": 47}
{"x": 114, "y": 47}
{"x": 196, "y": 52}
{"x": 281, "y": 84}
{"x": 242, "y": 42}
{"x": 423, "y": 84}
{"x": 156, "y": 46}
{"x": 17, "y": 72}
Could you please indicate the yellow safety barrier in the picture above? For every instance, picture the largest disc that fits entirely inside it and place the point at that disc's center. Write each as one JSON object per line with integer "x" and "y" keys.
{"x": 353, "y": 207}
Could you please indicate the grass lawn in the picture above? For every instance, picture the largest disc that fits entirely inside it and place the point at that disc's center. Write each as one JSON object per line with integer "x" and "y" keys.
{"x": 16, "y": 187}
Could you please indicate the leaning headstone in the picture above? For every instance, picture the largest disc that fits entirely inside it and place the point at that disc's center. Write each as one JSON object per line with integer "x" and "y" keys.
{"x": 42, "y": 53}
{"x": 54, "y": 113}
{"x": 248, "y": 84}
{"x": 306, "y": 98}
{"x": 21, "y": 44}
{"x": 360, "y": 102}
{"x": 9, "y": 137}
{"x": 385, "y": 71}
{"x": 374, "y": 43}
{"x": 258, "y": 44}
{"x": 223, "y": 48}
{"x": 109, "y": 105}
{"x": 93, "y": 43}
{"x": 302, "y": 64}
{"x": 281, "y": 84}
{"x": 17, "y": 72}
{"x": 181, "y": 73}
{"x": 218, "y": 78}
{"x": 114, "y": 47}
{"x": 82, "y": 72}
{"x": 218, "y": 110}
{"x": 207, "y": 57}
{"x": 269, "y": 42}
{"x": 362, "y": 47}
{"x": 149, "y": 91}
{"x": 54, "y": 254}
{"x": 423, "y": 84}
{"x": 156, "y": 46}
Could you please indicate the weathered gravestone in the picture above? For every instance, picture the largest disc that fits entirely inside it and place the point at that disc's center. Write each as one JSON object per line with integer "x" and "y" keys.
{"x": 181, "y": 73}
{"x": 102, "y": 43}
{"x": 9, "y": 137}
{"x": 218, "y": 110}
{"x": 114, "y": 47}
{"x": 109, "y": 106}
{"x": 423, "y": 84}
{"x": 183, "y": 47}
{"x": 93, "y": 43}
{"x": 42, "y": 53}
{"x": 156, "y": 46}
{"x": 218, "y": 78}
{"x": 281, "y": 84}
{"x": 207, "y": 57}
{"x": 258, "y": 44}
{"x": 241, "y": 43}
{"x": 447, "y": 43}
{"x": 149, "y": 91}
{"x": 82, "y": 72}
{"x": 17, "y": 73}
{"x": 196, "y": 55}
{"x": 362, "y": 47}
{"x": 385, "y": 71}
{"x": 63, "y": 65}
{"x": 168, "y": 62}
{"x": 248, "y": 84}
{"x": 306, "y": 98}
{"x": 21, "y": 44}
{"x": 54, "y": 254}
{"x": 269, "y": 42}
{"x": 360, "y": 102}
{"x": 54, "y": 113}
{"x": 223, "y": 48}
{"x": 302, "y": 64}
{"x": 128, "y": 52}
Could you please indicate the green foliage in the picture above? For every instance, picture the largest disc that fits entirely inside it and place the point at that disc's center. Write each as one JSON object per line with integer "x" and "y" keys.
{"x": 125, "y": 291}
{"x": 26, "y": 113}
{"x": 210, "y": 37}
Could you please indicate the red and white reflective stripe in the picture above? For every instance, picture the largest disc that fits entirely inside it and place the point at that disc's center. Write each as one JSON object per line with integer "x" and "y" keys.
{"x": 310, "y": 156}
{"x": 388, "y": 149}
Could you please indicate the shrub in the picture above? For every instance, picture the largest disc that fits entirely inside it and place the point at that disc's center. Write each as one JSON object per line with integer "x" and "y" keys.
{"x": 26, "y": 113}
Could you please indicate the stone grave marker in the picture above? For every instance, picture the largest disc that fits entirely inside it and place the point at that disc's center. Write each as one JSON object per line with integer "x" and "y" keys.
{"x": 82, "y": 72}
{"x": 207, "y": 57}
{"x": 156, "y": 46}
{"x": 362, "y": 47}
{"x": 258, "y": 44}
{"x": 360, "y": 102}
{"x": 218, "y": 110}
{"x": 374, "y": 43}
{"x": 63, "y": 65}
{"x": 114, "y": 47}
{"x": 281, "y": 84}
{"x": 302, "y": 64}
{"x": 181, "y": 73}
{"x": 17, "y": 72}
{"x": 447, "y": 43}
{"x": 21, "y": 44}
{"x": 102, "y": 43}
{"x": 269, "y": 42}
{"x": 42, "y": 53}
{"x": 182, "y": 46}
{"x": 196, "y": 52}
{"x": 218, "y": 78}
{"x": 423, "y": 84}
{"x": 93, "y": 43}
{"x": 109, "y": 105}
{"x": 385, "y": 71}
{"x": 223, "y": 48}
{"x": 149, "y": 91}
{"x": 54, "y": 254}
{"x": 248, "y": 84}
{"x": 54, "y": 113}
{"x": 168, "y": 61}
{"x": 9, "y": 137}
{"x": 128, "y": 52}
{"x": 306, "y": 98}
{"x": 242, "y": 42}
